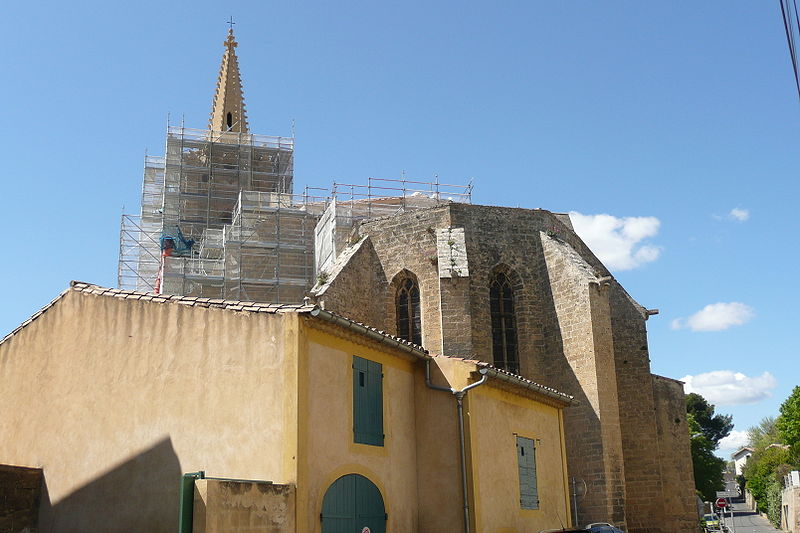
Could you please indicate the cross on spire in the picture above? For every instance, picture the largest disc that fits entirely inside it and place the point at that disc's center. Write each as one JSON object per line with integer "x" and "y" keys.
{"x": 228, "y": 112}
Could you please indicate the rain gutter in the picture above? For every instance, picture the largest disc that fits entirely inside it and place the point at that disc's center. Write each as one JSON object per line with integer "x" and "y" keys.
{"x": 459, "y": 394}
{"x": 369, "y": 332}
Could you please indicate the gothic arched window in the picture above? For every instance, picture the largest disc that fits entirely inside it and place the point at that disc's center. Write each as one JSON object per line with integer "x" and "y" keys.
{"x": 409, "y": 324}
{"x": 504, "y": 323}
{"x": 229, "y": 120}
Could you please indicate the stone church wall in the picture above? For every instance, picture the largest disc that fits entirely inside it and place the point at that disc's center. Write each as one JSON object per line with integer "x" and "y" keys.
{"x": 353, "y": 291}
{"x": 594, "y": 449}
{"x": 642, "y": 467}
{"x": 675, "y": 456}
{"x": 400, "y": 245}
{"x": 578, "y": 331}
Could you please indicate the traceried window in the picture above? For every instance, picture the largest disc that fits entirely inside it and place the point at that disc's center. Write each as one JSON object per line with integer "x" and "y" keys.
{"x": 504, "y": 325}
{"x": 409, "y": 324}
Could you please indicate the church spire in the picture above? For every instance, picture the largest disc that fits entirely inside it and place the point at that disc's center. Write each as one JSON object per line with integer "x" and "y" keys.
{"x": 228, "y": 112}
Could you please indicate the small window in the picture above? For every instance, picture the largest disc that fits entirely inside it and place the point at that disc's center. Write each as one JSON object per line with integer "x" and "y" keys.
{"x": 526, "y": 459}
{"x": 229, "y": 120}
{"x": 409, "y": 323}
{"x": 367, "y": 402}
{"x": 504, "y": 327}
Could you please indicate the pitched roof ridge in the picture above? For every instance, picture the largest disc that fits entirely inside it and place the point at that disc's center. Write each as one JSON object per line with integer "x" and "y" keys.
{"x": 35, "y": 315}
{"x": 191, "y": 301}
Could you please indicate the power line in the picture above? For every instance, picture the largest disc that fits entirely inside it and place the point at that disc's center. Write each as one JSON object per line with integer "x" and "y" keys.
{"x": 791, "y": 24}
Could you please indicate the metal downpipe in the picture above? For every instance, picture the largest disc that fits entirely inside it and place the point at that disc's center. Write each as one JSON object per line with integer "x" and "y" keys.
{"x": 459, "y": 394}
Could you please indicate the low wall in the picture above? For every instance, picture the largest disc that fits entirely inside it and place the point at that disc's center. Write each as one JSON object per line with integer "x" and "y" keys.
{"x": 749, "y": 500}
{"x": 20, "y": 494}
{"x": 234, "y": 506}
{"x": 790, "y": 509}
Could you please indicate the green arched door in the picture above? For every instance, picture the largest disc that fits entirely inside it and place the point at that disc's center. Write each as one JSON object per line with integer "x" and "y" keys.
{"x": 351, "y": 504}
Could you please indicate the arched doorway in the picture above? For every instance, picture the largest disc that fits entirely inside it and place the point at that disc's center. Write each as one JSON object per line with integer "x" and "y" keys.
{"x": 351, "y": 504}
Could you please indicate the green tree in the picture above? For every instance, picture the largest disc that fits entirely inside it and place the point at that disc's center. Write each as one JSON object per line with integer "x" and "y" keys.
{"x": 715, "y": 427}
{"x": 764, "y": 468}
{"x": 788, "y": 423}
{"x": 764, "y": 434}
{"x": 707, "y": 467}
{"x": 774, "y": 489}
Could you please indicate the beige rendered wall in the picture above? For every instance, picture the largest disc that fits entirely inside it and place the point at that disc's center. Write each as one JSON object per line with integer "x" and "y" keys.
{"x": 326, "y": 446}
{"x": 496, "y": 418}
{"x": 114, "y": 399}
{"x": 235, "y": 506}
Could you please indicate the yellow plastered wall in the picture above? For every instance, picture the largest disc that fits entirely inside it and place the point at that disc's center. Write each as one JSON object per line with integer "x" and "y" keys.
{"x": 326, "y": 447}
{"x": 116, "y": 398}
{"x": 438, "y": 451}
{"x": 495, "y": 418}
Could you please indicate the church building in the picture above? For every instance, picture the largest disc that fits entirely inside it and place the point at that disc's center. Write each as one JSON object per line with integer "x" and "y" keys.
{"x": 510, "y": 294}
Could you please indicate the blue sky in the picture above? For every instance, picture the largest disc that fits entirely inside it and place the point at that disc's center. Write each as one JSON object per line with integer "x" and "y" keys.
{"x": 666, "y": 116}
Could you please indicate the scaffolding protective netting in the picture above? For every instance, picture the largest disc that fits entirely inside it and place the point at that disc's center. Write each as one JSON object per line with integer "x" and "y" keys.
{"x": 175, "y": 244}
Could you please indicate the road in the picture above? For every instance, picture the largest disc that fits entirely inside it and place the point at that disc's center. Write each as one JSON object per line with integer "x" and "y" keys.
{"x": 747, "y": 521}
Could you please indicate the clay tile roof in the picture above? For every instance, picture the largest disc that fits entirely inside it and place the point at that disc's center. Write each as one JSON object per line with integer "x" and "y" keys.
{"x": 192, "y": 301}
{"x": 347, "y": 322}
{"x": 33, "y": 317}
{"x": 230, "y": 305}
{"x": 518, "y": 380}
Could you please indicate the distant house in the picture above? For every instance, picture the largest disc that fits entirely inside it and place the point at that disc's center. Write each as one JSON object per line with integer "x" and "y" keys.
{"x": 740, "y": 458}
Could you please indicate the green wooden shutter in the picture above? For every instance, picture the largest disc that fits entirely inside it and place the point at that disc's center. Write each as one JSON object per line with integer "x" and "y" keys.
{"x": 526, "y": 458}
{"x": 367, "y": 402}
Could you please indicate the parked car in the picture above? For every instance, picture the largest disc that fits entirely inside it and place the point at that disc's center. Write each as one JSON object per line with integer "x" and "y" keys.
{"x": 603, "y": 527}
{"x": 711, "y": 522}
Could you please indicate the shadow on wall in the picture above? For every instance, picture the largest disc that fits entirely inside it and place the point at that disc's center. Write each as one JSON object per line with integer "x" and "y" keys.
{"x": 583, "y": 432}
{"x": 141, "y": 494}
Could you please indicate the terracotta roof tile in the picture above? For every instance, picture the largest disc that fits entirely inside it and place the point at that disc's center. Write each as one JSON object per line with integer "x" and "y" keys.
{"x": 516, "y": 378}
{"x": 192, "y": 301}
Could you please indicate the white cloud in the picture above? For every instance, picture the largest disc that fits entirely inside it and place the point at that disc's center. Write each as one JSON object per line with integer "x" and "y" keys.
{"x": 716, "y": 317}
{"x": 734, "y": 441}
{"x": 725, "y": 387}
{"x": 739, "y": 214}
{"x": 618, "y": 242}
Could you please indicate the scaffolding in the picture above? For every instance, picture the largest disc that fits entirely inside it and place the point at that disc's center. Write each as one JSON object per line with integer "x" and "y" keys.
{"x": 254, "y": 240}
{"x": 379, "y": 197}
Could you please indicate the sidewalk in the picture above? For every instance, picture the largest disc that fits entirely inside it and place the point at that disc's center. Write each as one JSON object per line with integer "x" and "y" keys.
{"x": 747, "y": 521}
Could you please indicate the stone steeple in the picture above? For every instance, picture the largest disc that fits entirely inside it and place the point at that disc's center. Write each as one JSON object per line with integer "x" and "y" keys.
{"x": 228, "y": 112}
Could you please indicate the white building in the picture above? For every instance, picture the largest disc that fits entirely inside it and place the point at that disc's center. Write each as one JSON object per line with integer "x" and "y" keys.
{"x": 740, "y": 458}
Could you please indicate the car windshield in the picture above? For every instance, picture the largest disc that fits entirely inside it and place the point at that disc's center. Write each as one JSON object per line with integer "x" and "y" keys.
{"x": 709, "y": 517}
